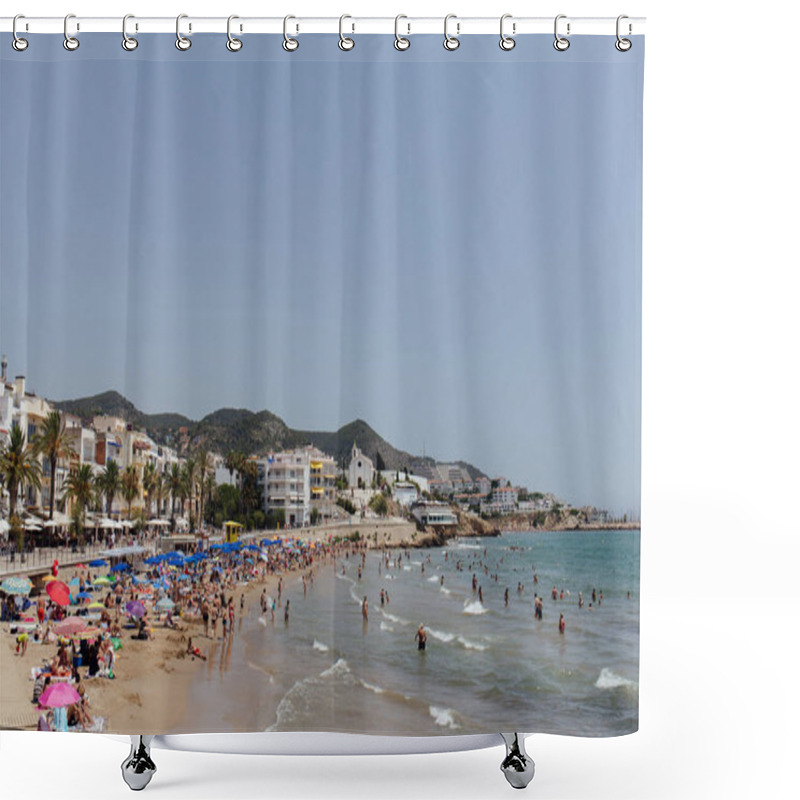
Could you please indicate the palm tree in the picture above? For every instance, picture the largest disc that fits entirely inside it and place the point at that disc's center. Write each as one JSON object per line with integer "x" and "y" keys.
{"x": 19, "y": 469}
{"x": 149, "y": 482}
{"x": 189, "y": 477}
{"x": 204, "y": 467}
{"x": 130, "y": 486}
{"x": 109, "y": 483}
{"x": 80, "y": 487}
{"x": 159, "y": 490}
{"x": 231, "y": 462}
{"x": 174, "y": 485}
{"x": 211, "y": 483}
{"x": 53, "y": 443}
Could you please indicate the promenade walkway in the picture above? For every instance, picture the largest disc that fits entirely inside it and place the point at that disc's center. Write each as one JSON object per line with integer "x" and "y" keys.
{"x": 39, "y": 560}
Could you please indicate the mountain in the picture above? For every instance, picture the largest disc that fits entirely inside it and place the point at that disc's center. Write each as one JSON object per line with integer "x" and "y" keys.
{"x": 253, "y": 433}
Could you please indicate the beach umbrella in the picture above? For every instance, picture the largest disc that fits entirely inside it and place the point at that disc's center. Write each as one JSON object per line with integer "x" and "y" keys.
{"x": 96, "y": 604}
{"x": 184, "y": 577}
{"x": 16, "y": 585}
{"x": 74, "y": 582}
{"x": 89, "y": 633}
{"x": 152, "y": 560}
{"x": 164, "y": 604}
{"x": 135, "y": 608}
{"x": 58, "y": 695}
{"x": 69, "y": 626}
{"x": 103, "y": 580}
{"x": 50, "y": 577}
{"x": 121, "y": 567}
{"x": 98, "y": 562}
{"x": 84, "y": 596}
{"x": 80, "y": 566}
{"x": 59, "y": 592}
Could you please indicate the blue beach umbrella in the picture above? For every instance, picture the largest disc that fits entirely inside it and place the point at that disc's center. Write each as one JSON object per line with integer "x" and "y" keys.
{"x": 74, "y": 582}
{"x": 121, "y": 567}
{"x": 84, "y": 596}
{"x": 98, "y": 562}
{"x": 16, "y": 585}
{"x": 153, "y": 560}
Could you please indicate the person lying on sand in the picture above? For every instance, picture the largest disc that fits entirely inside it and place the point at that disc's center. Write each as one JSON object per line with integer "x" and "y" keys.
{"x": 193, "y": 651}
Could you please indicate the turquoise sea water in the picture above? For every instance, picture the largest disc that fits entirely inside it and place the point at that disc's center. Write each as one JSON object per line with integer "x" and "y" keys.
{"x": 487, "y": 667}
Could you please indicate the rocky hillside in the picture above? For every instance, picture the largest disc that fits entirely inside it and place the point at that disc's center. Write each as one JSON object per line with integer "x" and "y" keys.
{"x": 253, "y": 433}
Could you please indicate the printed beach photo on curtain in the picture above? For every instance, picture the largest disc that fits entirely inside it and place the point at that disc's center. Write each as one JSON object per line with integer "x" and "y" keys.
{"x": 320, "y": 397}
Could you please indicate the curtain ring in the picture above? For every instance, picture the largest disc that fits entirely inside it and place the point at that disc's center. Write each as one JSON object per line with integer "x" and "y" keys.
{"x": 233, "y": 44}
{"x": 400, "y": 42}
{"x": 129, "y": 43}
{"x": 181, "y": 42}
{"x": 289, "y": 43}
{"x": 70, "y": 42}
{"x": 506, "y": 42}
{"x": 18, "y": 43}
{"x": 345, "y": 42}
{"x": 561, "y": 43}
{"x": 623, "y": 45}
{"x": 450, "y": 42}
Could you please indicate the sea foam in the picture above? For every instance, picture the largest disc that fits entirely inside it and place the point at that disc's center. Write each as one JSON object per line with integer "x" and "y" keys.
{"x": 474, "y": 607}
{"x": 445, "y": 717}
{"x": 323, "y": 648}
{"x": 610, "y": 680}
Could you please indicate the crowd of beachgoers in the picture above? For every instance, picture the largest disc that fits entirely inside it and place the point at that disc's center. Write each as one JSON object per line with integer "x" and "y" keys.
{"x": 83, "y": 617}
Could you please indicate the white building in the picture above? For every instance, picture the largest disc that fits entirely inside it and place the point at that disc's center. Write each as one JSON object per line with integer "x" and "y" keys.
{"x": 361, "y": 471}
{"x": 405, "y": 493}
{"x": 434, "y": 513}
{"x": 298, "y": 481}
{"x": 503, "y": 500}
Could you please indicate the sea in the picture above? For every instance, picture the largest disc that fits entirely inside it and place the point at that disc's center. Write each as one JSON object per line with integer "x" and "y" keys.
{"x": 487, "y": 666}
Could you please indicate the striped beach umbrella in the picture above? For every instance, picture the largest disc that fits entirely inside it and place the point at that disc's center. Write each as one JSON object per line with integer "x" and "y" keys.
{"x": 165, "y": 604}
{"x": 69, "y": 626}
{"x": 16, "y": 585}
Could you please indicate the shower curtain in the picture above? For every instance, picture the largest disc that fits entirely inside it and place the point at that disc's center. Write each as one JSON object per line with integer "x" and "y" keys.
{"x": 340, "y": 352}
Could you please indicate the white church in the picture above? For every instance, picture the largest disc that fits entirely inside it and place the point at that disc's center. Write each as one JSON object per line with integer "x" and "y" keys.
{"x": 361, "y": 470}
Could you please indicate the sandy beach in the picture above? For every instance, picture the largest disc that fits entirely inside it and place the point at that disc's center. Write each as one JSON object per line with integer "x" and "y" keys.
{"x": 153, "y": 677}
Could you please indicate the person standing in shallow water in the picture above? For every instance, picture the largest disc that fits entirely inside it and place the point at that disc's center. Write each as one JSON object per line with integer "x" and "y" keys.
{"x": 286, "y": 613}
{"x": 365, "y": 609}
{"x": 421, "y": 637}
{"x": 561, "y": 624}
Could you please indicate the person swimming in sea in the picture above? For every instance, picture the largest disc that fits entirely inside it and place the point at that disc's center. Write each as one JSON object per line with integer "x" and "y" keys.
{"x": 421, "y": 637}
{"x": 580, "y": 599}
{"x": 506, "y": 597}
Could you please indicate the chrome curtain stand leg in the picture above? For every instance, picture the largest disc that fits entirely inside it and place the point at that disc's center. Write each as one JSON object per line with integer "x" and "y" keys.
{"x": 138, "y": 768}
{"x": 517, "y": 766}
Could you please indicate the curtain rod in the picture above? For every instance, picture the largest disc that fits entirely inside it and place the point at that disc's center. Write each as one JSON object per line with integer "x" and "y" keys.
{"x": 298, "y": 25}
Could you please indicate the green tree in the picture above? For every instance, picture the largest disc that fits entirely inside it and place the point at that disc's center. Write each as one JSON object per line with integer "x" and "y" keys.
{"x": 130, "y": 486}
{"x": 315, "y": 515}
{"x": 174, "y": 487}
{"x": 149, "y": 484}
{"x": 53, "y": 443}
{"x": 109, "y": 482}
{"x": 19, "y": 469}
{"x": 80, "y": 490}
{"x": 379, "y": 505}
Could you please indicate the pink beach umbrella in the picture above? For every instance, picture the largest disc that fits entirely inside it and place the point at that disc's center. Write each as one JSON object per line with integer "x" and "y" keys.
{"x": 58, "y": 695}
{"x": 59, "y": 592}
{"x": 69, "y": 627}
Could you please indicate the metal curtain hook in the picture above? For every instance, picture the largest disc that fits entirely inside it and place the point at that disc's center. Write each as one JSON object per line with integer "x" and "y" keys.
{"x": 450, "y": 42}
{"x": 70, "y": 42}
{"x": 623, "y": 45}
{"x": 128, "y": 42}
{"x": 506, "y": 42}
{"x": 401, "y": 42}
{"x": 561, "y": 43}
{"x": 289, "y": 44}
{"x": 345, "y": 43}
{"x": 18, "y": 43}
{"x": 181, "y": 41}
{"x": 233, "y": 44}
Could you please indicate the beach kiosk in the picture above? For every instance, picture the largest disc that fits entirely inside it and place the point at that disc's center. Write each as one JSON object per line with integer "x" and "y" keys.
{"x": 231, "y": 530}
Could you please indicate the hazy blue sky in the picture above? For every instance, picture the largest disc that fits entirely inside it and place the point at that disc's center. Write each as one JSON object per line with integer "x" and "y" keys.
{"x": 446, "y": 245}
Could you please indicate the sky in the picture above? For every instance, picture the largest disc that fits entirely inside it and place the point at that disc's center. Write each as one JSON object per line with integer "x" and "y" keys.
{"x": 446, "y": 245}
